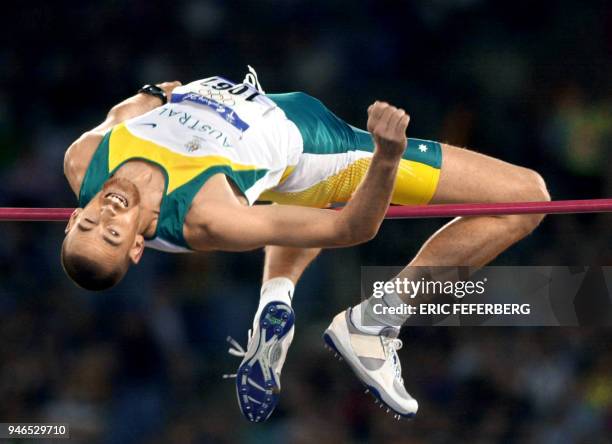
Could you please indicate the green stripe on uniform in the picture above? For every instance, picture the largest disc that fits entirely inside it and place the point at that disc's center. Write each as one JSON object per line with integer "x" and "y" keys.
{"x": 97, "y": 172}
{"x": 325, "y": 133}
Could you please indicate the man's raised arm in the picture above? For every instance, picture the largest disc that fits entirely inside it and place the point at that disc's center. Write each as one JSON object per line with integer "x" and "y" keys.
{"x": 135, "y": 106}
{"x": 235, "y": 227}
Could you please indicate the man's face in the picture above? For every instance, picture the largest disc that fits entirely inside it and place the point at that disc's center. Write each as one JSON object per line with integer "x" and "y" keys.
{"x": 107, "y": 228}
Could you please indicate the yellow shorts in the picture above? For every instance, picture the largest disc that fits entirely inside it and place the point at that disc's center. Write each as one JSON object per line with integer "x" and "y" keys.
{"x": 335, "y": 158}
{"x": 314, "y": 185}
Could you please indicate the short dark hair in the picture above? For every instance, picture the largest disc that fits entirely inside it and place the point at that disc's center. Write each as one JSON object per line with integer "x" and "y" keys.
{"x": 88, "y": 274}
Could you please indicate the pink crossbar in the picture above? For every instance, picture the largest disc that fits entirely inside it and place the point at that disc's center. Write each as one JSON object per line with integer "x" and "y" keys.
{"x": 394, "y": 212}
{"x": 499, "y": 209}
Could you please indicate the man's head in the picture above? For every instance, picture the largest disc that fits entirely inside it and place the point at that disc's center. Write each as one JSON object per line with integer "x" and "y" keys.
{"x": 102, "y": 239}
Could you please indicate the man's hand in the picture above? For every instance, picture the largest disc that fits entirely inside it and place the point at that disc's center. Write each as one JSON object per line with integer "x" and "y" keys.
{"x": 388, "y": 124}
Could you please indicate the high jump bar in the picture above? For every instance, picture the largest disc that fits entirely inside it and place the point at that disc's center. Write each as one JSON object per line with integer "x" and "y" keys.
{"x": 394, "y": 212}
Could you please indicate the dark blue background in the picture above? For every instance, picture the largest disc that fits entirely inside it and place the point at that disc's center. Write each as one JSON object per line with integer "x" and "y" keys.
{"x": 525, "y": 81}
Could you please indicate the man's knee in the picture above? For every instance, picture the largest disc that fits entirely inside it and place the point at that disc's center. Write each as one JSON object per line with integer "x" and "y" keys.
{"x": 532, "y": 189}
{"x": 536, "y": 187}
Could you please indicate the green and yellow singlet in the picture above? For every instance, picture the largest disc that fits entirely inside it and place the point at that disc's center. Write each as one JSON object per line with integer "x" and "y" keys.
{"x": 287, "y": 148}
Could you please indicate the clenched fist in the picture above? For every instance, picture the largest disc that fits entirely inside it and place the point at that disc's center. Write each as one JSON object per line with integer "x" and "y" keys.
{"x": 388, "y": 124}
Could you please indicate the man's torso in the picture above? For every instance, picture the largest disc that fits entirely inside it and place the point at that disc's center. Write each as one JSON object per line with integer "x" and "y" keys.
{"x": 211, "y": 126}
{"x": 287, "y": 148}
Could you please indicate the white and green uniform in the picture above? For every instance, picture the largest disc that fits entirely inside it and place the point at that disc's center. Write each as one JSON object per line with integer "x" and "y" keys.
{"x": 287, "y": 148}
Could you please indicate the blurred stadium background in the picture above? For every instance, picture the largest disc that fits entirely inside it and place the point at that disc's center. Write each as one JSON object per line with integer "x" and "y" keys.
{"x": 526, "y": 81}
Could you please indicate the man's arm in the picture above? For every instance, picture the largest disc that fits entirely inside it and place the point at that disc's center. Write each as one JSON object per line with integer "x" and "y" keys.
{"x": 79, "y": 154}
{"x": 134, "y": 106}
{"x": 230, "y": 226}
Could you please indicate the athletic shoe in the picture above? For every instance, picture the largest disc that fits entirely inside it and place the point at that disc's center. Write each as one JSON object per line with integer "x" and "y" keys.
{"x": 375, "y": 362}
{"x": 258, "y": 376}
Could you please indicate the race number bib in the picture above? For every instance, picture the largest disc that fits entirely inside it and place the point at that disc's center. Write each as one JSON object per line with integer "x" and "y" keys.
{"x": 225, "y": 98}
{"x": 229, "y": 93}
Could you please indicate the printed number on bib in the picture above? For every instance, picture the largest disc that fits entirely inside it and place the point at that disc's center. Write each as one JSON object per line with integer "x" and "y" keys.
{"x": 231, "y": 94}
{"x": 225, "y": 98}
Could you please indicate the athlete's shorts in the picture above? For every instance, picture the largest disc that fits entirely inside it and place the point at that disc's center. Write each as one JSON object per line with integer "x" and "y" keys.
{"x": 336, "y": 157}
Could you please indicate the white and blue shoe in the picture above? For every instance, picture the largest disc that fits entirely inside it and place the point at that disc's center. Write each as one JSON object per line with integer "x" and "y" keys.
{"x": 374, "y": 360}
{"x": 258, "y": 377}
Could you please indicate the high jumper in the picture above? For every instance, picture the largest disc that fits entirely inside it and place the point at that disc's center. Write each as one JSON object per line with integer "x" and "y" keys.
{"x": 179, "y": 168}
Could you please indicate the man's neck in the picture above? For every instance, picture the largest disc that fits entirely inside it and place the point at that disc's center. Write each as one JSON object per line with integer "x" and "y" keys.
{"x": 151, "y": 185}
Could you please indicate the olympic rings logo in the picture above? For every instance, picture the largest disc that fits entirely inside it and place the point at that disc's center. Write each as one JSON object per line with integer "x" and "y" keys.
{"x": 218, "y": 96}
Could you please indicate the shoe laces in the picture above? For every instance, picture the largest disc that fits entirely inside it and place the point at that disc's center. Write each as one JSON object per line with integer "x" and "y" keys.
{"x": 236, "y": 350}
{"x": 251, "y": 79}
{"x": 392, "y": 345}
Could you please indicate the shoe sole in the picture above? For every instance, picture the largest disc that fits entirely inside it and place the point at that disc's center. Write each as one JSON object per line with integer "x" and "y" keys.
{"x": 328, "y": 337}
{"x": 257, "y": 387}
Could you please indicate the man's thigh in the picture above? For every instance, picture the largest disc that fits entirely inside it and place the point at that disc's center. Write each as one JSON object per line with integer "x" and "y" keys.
{"x": 468, "y": 176}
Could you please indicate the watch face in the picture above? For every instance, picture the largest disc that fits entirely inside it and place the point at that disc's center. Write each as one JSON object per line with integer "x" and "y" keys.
{"x": 154, "y": 90}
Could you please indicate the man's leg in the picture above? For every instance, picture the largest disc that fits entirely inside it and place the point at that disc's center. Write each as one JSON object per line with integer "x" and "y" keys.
{"x": 258, "y": 376}
{"x": 287, "y": 262}
{"x": 367, "y": 340}
{"x": 467, "y": 176}
{"x": 283, "y": 267}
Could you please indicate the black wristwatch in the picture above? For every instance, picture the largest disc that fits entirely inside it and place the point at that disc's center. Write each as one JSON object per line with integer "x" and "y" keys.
{"x": 155, "y": 91}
